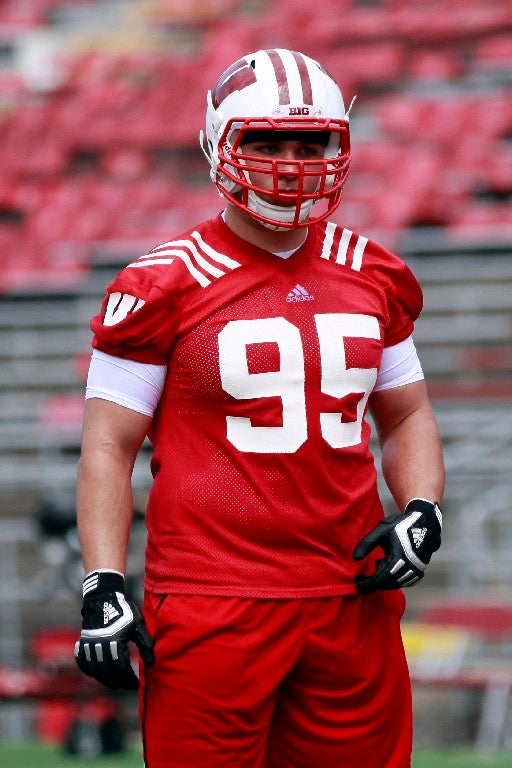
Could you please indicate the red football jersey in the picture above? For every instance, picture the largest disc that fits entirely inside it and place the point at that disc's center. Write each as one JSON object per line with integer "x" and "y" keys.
{"x": 263, "y": 478}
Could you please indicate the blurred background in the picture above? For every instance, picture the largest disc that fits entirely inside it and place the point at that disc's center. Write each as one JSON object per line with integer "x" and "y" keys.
{"x": 101, "y": 103}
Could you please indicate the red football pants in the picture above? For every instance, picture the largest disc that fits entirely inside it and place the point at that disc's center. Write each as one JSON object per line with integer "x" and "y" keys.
{"x": 248, "y": 683}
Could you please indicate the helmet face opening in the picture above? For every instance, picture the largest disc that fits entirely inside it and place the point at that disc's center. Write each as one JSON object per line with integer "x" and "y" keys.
{"x": 294, "y": 185}
{"x": 272, "y": 96}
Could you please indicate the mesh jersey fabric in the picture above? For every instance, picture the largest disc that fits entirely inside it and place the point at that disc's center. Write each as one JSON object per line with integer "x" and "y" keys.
{"x": 263, "y": 476}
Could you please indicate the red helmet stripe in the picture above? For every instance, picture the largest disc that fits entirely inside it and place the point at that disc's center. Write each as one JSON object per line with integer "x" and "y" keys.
{"x": 307, "y": 91}
{"x": 236, "y": 78}
{"x": 282, "y": 80}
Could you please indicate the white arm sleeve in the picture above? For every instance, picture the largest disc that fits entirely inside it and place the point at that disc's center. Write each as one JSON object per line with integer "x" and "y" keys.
{"x": 137, "y": 386}
{"x": 400, "y": 365}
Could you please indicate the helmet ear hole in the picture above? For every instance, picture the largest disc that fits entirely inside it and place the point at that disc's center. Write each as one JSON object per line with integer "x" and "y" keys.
{"x": 286, "y": 91}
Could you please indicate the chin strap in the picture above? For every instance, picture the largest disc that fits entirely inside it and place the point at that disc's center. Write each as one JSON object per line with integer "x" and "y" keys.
{"x": 277, "y": 212}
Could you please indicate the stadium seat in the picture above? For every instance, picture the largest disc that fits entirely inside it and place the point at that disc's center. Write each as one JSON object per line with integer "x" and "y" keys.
{"x": 434, "y": 65}
{"x": 488, "y": 618}
{"x": 62, "y": 415}
{"x": 31, "y": 13}
{"x": 126, "y": 162}
{"x": 368, "y": 65}
{"x": 430, "y": 24}
{"x": 494, "y": 53}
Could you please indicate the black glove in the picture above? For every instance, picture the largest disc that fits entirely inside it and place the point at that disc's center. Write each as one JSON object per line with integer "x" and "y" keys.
{"x": 109, "y": 622}
{"x": 408, "y": 541}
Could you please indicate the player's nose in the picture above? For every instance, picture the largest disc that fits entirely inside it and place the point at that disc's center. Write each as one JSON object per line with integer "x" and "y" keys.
{"x": 288, "y": 165}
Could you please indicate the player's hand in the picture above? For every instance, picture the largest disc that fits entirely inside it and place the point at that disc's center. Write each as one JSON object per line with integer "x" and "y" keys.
{"x": 109, "y": 622}
{"x": 408, "y": 541}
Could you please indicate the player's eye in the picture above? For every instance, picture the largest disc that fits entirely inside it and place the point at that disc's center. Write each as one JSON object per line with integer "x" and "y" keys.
{"x": 311, "y": 151}
{"x": 262, "y": 149}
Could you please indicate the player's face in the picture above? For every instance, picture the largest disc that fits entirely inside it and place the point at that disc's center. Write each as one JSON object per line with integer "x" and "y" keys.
{"x": 284, "y": 175}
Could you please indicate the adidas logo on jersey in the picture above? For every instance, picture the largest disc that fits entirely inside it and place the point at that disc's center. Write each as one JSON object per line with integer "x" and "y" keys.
{"x": 418, "y": 534}
{"x": 109, "y": 613}
{"x": 299, "y": 293}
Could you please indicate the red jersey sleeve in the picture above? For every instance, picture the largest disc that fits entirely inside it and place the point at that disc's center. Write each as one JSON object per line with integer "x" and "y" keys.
{"x": 404, "y": 296}
{"x": 138, "y": 316}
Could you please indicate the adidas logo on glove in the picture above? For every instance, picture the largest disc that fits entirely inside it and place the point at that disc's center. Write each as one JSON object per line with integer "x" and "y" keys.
{"x": 418, "y": 534}
{"x": 109, "y": 613}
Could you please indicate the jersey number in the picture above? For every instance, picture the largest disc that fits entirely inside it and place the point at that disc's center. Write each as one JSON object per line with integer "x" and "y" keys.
{"x": 288, "y": 383}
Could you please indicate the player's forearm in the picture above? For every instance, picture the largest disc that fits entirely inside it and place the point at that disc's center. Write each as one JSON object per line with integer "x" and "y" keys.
{"x": 412, "y": 461}
{"x": 104, "y": 511}
{"x": 112, "y": 436}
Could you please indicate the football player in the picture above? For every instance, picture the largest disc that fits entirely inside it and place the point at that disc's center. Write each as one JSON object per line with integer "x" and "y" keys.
{"x": 250, "y": 350}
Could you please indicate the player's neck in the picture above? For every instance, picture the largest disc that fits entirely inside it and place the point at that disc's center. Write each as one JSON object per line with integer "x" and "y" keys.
{"x": 257, "y": 234}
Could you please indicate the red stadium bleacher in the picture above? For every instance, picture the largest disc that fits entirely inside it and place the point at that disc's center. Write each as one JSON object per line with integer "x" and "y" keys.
{"x": 113, "y": 146}
{"x": 494, "y": 52}
{"x": 434, "y": 65}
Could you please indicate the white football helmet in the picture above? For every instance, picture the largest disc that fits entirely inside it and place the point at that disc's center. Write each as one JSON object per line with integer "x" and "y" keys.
{"x": 277, "y": 90}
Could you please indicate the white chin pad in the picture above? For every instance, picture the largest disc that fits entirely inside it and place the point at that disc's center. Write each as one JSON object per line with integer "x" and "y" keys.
{"x": 276, "y": 212}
